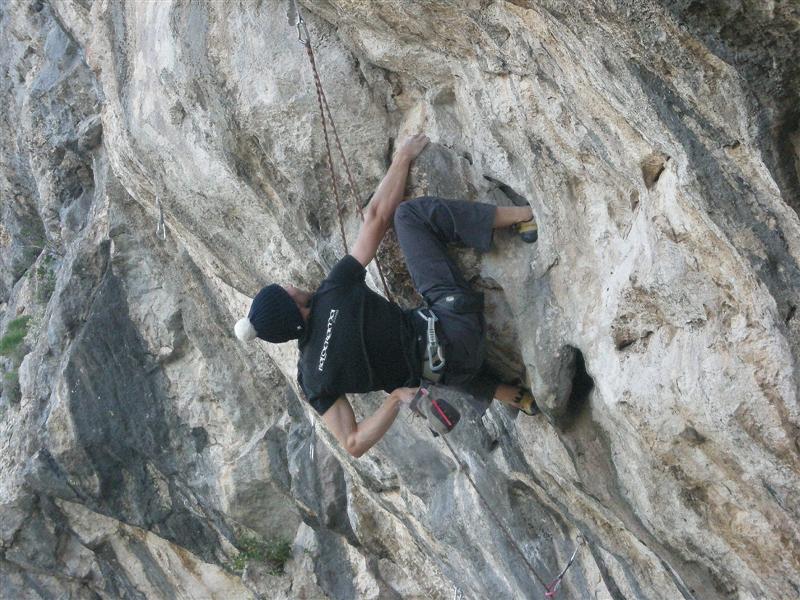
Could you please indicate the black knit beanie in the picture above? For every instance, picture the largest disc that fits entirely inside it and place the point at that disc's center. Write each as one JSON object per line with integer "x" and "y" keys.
{"x": 273, "y": 317}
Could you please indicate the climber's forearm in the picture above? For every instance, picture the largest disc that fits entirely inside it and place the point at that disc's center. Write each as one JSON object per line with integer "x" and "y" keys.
{"x": 373, "y": 428}
{"x": 390, "y": 192}
{"x": 355, "y": 437}
{"x": 380, "y": 212}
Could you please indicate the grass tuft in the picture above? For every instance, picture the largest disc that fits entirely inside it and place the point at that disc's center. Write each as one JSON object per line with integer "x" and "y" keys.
{"x": 274, "y": 552}
{"x": 11, "y": 346}
{"x": 45, "y": 279}
{"x": 11, "y": 385}
{"x": 14, "y": 335}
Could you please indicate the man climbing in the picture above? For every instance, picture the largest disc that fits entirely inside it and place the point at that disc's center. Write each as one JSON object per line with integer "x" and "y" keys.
{"x": 352, "y": 340}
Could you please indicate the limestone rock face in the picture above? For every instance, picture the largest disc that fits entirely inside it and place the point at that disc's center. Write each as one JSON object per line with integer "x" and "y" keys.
{"x": 654, "y": 319}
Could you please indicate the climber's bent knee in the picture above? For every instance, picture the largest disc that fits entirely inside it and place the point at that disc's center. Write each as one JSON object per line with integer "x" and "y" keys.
{"x": 414, "y": 211}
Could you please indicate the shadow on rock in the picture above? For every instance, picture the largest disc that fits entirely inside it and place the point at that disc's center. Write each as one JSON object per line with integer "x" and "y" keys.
{"x": 582, "y": 386}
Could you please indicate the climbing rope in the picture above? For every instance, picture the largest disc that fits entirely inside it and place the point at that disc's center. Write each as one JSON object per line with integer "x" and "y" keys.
{"x": 296, "y": 18}
{"x": 550, "y": 588}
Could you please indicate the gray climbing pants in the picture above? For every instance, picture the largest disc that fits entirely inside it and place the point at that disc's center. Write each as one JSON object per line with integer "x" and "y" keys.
{"x": 424, "y": 227}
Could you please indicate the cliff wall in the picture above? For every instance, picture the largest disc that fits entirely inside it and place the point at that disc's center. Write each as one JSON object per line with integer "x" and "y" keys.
{"x": 655, "y": 319}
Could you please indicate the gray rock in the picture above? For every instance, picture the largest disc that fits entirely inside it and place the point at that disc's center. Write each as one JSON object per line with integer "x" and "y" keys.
{"x": 654, "y": 319}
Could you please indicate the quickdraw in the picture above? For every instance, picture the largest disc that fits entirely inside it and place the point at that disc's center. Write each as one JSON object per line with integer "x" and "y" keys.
{"x": 552, "y": 587}
{"x": 161, "y": 228}
{"x": 434, "y": 360}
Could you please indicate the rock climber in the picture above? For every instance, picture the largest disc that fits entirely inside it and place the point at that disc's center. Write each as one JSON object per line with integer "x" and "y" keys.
{"x": 352, "y": 340}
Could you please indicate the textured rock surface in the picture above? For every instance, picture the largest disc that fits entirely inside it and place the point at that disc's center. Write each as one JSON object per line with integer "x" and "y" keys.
{"x": 655, "y": 318}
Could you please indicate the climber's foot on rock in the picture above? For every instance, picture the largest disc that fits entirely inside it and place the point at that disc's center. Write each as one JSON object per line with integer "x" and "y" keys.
{"x": 519, "y": 216}
{"x": 525, "y": 401}
{"x": 527, "y": 230}
{"x": 518, "y": 397}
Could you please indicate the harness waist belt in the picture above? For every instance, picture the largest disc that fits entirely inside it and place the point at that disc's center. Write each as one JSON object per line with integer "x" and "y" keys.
{"x": 459, "y": 302}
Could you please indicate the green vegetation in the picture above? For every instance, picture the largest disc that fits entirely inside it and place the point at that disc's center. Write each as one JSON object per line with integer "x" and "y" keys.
{"x": 10, "y": 342}
{"x": 273, "y": 552}
{"x": 12, "y": 346}
{"x": 33, "y": 234}
{"x": 45, "y": 279}
{"x": 11, "y": 385}
{"x": 32, "y": 241}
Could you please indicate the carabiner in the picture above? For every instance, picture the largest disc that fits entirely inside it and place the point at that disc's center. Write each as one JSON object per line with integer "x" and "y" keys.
{"x": 435, "y": 353}
{"x": 296, "y": 18}
{"x": 436, "y": 358}
{"x": 301, "y": 22}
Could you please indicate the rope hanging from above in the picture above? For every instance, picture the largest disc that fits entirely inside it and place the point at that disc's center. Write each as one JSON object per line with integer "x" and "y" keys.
{"x": 296, "y": 18}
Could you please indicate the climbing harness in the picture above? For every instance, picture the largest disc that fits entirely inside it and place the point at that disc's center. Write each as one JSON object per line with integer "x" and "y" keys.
{"x": 296, "y": 18}
{"x": 461, "y": 302}
{"x": 434, "y": 353}
{"x": 161, "y": 228}
{"x": 458, "y": 302}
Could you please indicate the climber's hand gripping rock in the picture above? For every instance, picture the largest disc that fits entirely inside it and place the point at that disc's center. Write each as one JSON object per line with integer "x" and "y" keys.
{"x": 411, "y": 146}
{"x": 406, "y": 395}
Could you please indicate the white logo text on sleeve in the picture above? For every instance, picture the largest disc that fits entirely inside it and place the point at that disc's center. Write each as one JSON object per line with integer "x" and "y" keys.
{"x": 324, "y": 354}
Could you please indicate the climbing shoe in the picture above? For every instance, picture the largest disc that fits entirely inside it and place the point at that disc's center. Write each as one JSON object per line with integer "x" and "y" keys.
{"x": 526, "y": 402}
{"x": 527, "y": 230}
